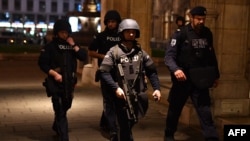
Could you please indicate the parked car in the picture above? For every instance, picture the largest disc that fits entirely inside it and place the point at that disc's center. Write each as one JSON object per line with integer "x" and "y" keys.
{"x": 7, "y": 37}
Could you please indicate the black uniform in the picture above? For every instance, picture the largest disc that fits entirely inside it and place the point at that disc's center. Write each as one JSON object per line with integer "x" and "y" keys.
{"x": 188, "y": 50}
{"x": 60, "y": 56}
{"x": 102, "y": 43}
{"x": 129, "y": 61}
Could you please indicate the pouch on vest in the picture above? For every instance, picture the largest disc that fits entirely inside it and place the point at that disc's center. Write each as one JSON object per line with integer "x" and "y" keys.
{"x": 203, "y": 77}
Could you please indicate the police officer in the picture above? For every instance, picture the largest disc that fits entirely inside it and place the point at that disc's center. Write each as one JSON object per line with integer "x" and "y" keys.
{"x": 180, "y": 22}
{"x": 190, "y": 48}
{"x": 98, "y": 48}
{"x": 133, "y": 61}
{"x": 58, "y": 59}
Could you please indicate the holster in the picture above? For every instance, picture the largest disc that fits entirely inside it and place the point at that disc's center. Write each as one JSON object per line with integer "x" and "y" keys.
{"x": 51, "y": 86}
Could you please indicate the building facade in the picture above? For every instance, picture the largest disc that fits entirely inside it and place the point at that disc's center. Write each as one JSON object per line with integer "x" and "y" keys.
{"x": 34, "y": 15}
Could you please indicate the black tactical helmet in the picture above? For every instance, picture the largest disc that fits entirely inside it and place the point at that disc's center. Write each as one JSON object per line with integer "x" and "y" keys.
{"x": 112, "y": 15}
{"x": 61, "y": 25}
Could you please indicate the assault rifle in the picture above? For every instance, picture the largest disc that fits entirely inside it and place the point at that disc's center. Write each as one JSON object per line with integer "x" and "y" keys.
{"x": 130, "y": 94}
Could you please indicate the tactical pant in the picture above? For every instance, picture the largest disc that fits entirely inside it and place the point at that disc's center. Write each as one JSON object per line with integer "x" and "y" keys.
{"x": 178, "y": 96}
{"x": 60, "y": 107}
{"x": 109, "y": 113}
{"x": 125, "y": 125}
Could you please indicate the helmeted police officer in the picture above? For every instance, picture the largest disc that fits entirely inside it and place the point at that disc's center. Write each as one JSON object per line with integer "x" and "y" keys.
{"x": 127, "y": 82}
{"x": 189, "y": 56}
{"x": 98, "y": 48}
{"x": 58, "y": 59}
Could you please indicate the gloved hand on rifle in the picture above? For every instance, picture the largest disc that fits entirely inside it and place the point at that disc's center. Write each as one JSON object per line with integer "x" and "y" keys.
{"x": 120, "y": 93}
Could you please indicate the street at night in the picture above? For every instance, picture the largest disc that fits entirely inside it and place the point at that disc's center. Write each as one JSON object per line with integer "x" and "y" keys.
{"x": 26, "y": 112}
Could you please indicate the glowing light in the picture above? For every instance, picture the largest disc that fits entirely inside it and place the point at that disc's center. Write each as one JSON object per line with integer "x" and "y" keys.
{"x": 74, "y": 23}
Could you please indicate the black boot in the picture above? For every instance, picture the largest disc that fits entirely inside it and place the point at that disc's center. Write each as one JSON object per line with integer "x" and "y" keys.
{"x": 169, "y": 135}
{"x": 54, "y": 128}
{"x": 169, "y": 138}
{"x": 103, "y": 124}
{"x": 113, "y": 137}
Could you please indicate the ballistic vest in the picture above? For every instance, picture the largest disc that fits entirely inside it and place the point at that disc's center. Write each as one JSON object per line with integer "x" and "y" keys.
{"x": 194, "y": 50}
{"x": 63, "y": 59}
{"x": 131, "y": 63}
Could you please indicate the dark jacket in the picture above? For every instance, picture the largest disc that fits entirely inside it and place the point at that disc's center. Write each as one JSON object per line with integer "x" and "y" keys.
{"x": 59, "y": 54}
{"x": 134, "y": 64}
{"x": 188, "y": 49}
{"x": 108, "y": 67}
{"x": 104, "y": 41}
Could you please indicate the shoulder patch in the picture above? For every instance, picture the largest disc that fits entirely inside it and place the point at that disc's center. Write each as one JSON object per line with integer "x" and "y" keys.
{"x": 173, "y": 42}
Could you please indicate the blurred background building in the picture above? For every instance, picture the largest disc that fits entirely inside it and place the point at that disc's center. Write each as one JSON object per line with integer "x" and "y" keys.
{"x": 35, "y": 17}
